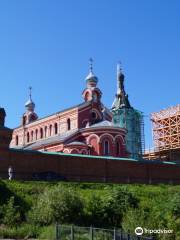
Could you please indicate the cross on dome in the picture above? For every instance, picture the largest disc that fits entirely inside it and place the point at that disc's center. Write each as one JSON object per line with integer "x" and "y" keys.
{"x": 91, "y": 78}
{"x": 30, "y": 92}
{"x": 91, "y": 64}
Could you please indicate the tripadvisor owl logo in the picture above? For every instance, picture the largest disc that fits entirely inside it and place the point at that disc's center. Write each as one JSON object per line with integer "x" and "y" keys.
{"x": 139, "y": 231}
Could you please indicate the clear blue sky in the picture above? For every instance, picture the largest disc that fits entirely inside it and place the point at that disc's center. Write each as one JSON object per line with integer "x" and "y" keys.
{"x": 47, "y": 44}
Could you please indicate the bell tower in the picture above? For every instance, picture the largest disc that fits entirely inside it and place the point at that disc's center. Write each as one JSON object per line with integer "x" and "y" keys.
{"x": 91, "y": 92}
{"x": 125, "y": 116}
{"x": 30, "y": 115}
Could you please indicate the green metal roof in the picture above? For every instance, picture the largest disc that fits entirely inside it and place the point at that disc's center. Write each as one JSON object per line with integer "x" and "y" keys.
{"x": 100, "y": 157}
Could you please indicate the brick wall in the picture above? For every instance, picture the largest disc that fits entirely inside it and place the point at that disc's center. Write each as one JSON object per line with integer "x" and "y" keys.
{"x": 86, "y": 168}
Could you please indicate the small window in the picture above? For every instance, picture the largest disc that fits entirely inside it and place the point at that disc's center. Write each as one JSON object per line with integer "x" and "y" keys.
{"x": 17, "y": 140}
{"x": 106, "y": 148}
{"x": 45, "y": 131}
{"x": 41, "y": 133}
{"x": 117, "y": 148}
{"x": 93, "y": 115}
{"x": 32, "y": 135}
{"x": 50, "y": 130}
{"x": 68, "y": 124}
{"x": 28, "y": 137}
{"x": 36, "y": 134}
{"x": 55, "y": 128}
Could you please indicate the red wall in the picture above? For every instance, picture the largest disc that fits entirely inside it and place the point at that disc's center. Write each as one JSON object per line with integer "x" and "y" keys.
{"x": 83, "y": 168}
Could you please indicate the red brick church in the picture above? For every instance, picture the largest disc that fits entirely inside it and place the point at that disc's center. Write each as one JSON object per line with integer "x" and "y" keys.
{"x": 86, "y": 128}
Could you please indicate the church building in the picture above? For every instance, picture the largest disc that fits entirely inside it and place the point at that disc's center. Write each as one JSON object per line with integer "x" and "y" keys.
{"x": 86, "y": 128}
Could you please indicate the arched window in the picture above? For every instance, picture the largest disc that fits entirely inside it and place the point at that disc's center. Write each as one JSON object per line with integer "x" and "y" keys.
{"x": 87, "y": 96}
{"x": 117, "y": 148}
{"x": 106, "y": 148}
{"x": 50, "y": 130}
{"x": 94, "y": 116}
{"x": 68, "y": 124}
{"x": 36, "y": 134}
{"x": 45, "y": 131}
{"x": 32, "y": 135}
{"x": 41, "y": 133}
{"x": 28, "y": 137}
{"x": 55, "y": 128}
{"x": 17, "y": 140}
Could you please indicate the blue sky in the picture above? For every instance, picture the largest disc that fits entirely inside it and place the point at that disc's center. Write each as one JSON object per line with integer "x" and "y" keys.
{"x": 47, "y": 44}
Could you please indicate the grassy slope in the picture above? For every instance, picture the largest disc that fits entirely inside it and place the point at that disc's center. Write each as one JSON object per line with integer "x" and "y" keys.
{"x": 155, "y": 196}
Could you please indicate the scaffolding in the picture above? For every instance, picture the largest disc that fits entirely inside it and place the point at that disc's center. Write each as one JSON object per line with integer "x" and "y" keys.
{"x": 166, "y": 129}
{"x": 132, "y": 120}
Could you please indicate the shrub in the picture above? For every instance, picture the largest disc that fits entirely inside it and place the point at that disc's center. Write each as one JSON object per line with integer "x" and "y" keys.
{"x": 116, "y": 202}
{"x": 22, "y": 231}
{"x": 59, "y": 204}
{"x": 47, "y": 232}
{"x": 94, "y": 211}
{"x": 11, "y": 214}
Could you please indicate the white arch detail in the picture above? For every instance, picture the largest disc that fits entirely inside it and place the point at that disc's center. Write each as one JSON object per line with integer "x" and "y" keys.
{"x": 106, "y": 135}
{"x": 87, "y": 91}
{"x": 120, "y": 136}
{"x": 91, "y": 136}
{"x": 67, "y": 150}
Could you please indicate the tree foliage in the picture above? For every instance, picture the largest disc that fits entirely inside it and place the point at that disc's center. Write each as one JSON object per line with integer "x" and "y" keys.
{"x": 26, "y": 205}
{"x": 11, "y": 213}
{"x": 57, "y": 205}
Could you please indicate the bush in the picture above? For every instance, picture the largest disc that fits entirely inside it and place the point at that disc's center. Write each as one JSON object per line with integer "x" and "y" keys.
{"x": 107, "y": 210}
{"x": 11, "y": 214}
{"x": 175, "y": 205}
{"x": 23, "y": 231}
{"x": 116, "y": 202}
{"x": 59, "y": 204}
{"x": 94, "y": 211}
{"x": 47, "y": 232}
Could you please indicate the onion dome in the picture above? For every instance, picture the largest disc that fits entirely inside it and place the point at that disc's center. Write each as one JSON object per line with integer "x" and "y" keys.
{"x": 30, "y": 105}
{"x": 91, "y": 78}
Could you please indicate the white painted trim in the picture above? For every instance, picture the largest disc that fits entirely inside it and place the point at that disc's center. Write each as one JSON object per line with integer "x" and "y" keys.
{"x": 105, "y": 135}
{"x": 91, "y": 136}
{"x": 66, "y": 149}
{"x": 119, "y": 136}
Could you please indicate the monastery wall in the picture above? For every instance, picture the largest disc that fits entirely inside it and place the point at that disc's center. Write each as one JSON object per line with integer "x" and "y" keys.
{"x": 87, "y": 168}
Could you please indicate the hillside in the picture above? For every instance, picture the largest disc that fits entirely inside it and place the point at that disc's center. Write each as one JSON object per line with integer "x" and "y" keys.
{"x": 30, "y": 209}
